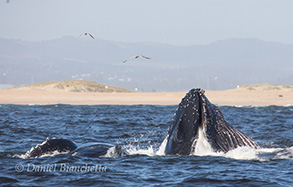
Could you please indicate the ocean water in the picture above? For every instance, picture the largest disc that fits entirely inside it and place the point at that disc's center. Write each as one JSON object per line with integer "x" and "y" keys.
{"x": 140, "y": 131}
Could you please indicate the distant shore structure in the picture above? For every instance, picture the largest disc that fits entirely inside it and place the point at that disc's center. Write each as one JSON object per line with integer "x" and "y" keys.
{"x": 87, "y": 34}
{"x": 136, "y": 56}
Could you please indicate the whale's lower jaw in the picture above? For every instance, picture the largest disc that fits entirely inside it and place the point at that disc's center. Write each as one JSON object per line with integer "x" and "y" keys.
{"x": 199, "y": 124}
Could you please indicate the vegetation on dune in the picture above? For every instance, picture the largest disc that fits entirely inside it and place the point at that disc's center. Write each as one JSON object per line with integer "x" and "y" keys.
{"x": 266, "y": 86}
{"x": 77, "y": 86}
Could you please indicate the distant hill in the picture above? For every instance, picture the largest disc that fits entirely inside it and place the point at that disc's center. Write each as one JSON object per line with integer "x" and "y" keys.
{"x": 220, "y": 65}
{"x": 266, "y": 86}
{"x": 74, "y": 86}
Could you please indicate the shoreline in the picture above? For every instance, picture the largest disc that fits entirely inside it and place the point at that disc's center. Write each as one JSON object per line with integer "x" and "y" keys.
{"x": 235, "y": 97}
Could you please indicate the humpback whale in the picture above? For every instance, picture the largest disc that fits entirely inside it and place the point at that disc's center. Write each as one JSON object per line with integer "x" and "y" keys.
{"x": 64, "y": 146}
{"x": 50, "y": 146}
{"x": 197, "y": 117}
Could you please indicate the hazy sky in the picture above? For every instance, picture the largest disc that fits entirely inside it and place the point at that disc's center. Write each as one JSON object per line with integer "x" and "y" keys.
{"x": 177, "y": 22}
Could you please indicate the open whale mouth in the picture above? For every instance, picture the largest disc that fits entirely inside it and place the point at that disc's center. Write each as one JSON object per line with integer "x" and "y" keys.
{"x": 199, "y": 122}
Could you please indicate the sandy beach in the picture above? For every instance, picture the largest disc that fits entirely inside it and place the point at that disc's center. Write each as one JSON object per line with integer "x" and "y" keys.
{"x": 235, "y": 97}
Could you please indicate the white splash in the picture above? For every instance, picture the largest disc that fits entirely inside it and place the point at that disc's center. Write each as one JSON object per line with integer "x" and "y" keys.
{"x": 53, "y": 153}
{"x": 112, "y": 152}
{"x": 242, "y": 153}
{"x": 201, "y": 146}
{"x": 136, "y": 150}
{"x": 286, "y": 153}
{"x": 162, "y": 148}
{"x": 275, "y": 153}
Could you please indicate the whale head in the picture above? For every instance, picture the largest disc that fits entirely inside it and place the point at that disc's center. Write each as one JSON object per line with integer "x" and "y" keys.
{"x": 50, "y": 146}
{"x": 197, "y": 117}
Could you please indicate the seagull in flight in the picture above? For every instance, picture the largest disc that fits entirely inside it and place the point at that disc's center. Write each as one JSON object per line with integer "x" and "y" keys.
{"x": 136, "y": 56}
{"x": 87, "y": 34}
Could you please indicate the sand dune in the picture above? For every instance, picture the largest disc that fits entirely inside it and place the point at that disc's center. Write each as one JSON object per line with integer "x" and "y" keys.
{"x": 243, "y": 96}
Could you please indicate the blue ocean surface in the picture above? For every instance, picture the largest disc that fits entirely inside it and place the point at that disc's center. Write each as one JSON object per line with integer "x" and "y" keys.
{"x": 140, "y": 131}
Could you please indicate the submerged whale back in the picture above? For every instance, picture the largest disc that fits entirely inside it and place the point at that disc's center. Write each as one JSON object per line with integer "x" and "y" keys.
{"x": 97, "y": 150}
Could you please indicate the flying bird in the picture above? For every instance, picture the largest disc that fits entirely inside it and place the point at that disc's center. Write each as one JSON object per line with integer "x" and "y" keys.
{"x": 136, "y": 56}
{"x": 87, "y": 34}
